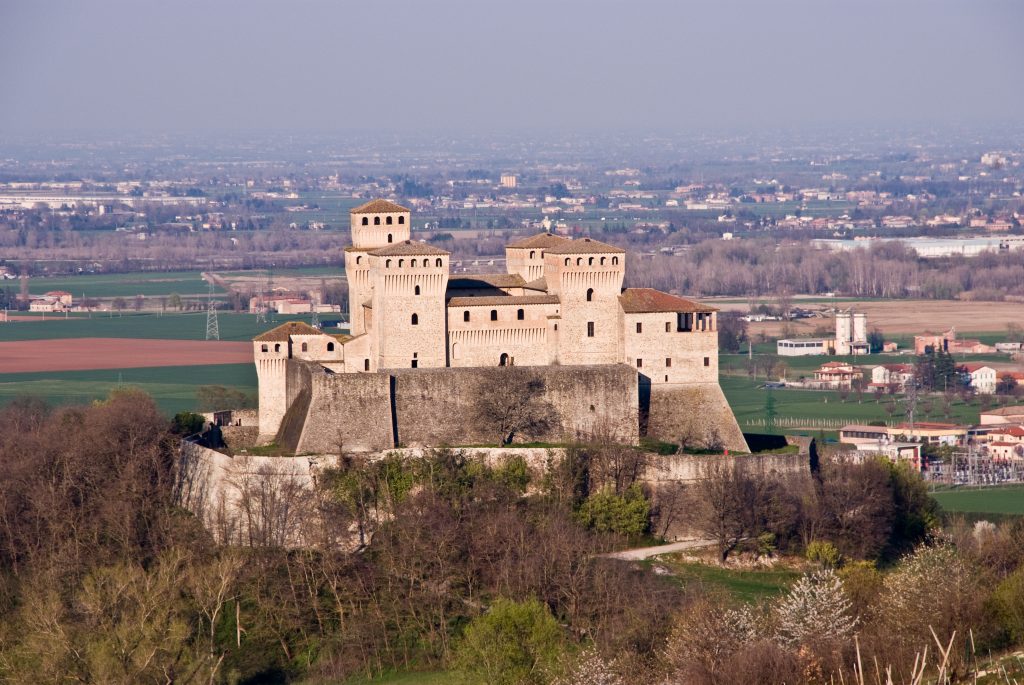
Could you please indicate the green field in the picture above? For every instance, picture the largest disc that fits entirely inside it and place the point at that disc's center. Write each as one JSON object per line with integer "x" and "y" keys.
{"x": 992, "y": 500}
{"x": 750, "y": 585}
{"x": 172, "y": 387}
{"x": 176, "y": 326}
{"x": 150, "y": 284}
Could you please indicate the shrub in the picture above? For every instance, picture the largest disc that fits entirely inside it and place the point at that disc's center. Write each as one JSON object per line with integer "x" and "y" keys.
{"x": 817, "y": 608}
{"x": 823, "y": 553}
{"x": 606, "y": 512}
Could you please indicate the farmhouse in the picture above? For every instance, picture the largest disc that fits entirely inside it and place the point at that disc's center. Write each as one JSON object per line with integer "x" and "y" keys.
{"x": 634, "y": 358}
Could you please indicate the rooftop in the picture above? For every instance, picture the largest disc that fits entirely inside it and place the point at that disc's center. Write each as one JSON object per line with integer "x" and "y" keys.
{"x": 486, "y": 281}
{"x": 378, "y": 207}
{"x": 283, "y": 332}
{"x": 502, "y": 300}
{"x": 584, "y": 246}
{"x": 1016, "y": 410}
{"x": 541, "y": 240}
{"x": 649, "y": 301}
{"x": 540, "y": 284}
{"x": 408, "y": 248}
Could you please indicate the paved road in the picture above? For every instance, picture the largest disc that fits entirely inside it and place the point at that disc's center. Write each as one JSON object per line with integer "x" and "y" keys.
{"x": 648, "y": 552}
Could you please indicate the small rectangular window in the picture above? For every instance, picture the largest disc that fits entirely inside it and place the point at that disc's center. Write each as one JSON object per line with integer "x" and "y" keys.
{"x": 639, "y": 327}
{"x": 415, "y": 362}
{"x": 639, "y": 363}
{"x": 668, "y": 362}
{"x": 668, "y": 326}
{"x": 366, "y": 365}
{"x": 590, "y": 329}
{"x": 707, "y": 361}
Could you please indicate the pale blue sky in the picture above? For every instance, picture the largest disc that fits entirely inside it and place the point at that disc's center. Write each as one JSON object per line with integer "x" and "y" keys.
{"x": 412, "y": 65}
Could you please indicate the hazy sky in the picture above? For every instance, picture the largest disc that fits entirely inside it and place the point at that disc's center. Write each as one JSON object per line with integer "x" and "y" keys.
{"x": 483, "y": 65}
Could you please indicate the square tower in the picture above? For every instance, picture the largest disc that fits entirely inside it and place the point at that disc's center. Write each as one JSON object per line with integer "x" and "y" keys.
{"x": 375, "y": 224}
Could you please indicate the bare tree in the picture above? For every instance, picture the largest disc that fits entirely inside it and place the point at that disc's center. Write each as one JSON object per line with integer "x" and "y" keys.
{"x": 511, "y": 403}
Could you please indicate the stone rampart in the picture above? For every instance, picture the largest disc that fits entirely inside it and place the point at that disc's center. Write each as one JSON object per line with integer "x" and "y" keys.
{"x": 696, "y": 414}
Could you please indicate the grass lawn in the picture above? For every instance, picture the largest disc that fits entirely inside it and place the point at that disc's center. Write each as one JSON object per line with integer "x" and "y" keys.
{"x": 993, "y": 500}
{"x": 400, "y": 678}
{"x": 747, "y": 585}
{"x": 176, "y": 326}
{"x": 172, "y": 387}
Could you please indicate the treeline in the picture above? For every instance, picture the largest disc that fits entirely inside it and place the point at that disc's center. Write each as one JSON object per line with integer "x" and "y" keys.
{"x": 888, "y": 270}
{"x": 493, "y": 572}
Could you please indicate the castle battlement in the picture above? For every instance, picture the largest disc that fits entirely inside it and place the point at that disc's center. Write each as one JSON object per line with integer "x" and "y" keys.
{"x": 560, "y": 304}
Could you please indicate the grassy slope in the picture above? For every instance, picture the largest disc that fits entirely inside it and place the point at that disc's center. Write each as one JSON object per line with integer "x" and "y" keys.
{"x": 997, "y": 500}
{"x": 172, "y": 387}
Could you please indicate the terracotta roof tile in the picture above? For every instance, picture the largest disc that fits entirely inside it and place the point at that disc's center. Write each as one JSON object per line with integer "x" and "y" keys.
{"x": 540, "y": 284}
{"x": 584, "y": 246}
{"x": 378, "y": 207}
{"x": 649, "y": 300}
{"x": 541, "y": 240}
{"x": 286, "y": 330}
{"x": 408, "y": 248}
{"x": 499, "y": 300}
{"x": 486, "y": 281}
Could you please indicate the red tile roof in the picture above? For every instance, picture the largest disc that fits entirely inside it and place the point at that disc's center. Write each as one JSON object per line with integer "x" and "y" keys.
{"x": 541, "y": 240}
{"x": 584, "y": 246}
{"x": 408, "y": 248}
{"x": 649, "y": 301}
{"x": 378, "y": 207}
{"x": 286, "y": 330}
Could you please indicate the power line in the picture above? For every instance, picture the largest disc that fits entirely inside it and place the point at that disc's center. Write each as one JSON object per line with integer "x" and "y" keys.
{"x": 212, "y": 325}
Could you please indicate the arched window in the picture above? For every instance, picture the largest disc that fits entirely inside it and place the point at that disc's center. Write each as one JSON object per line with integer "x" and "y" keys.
{"x": 465, "y": 315}
{"x": 401, "y": 220}
{"x": 264, "y": 348}
{"x": 438, "y": 261}
{"x": 602, "y": 260}
{"x": 305, "y": 347}
{"x": 366, "y": 221}
{"x": 359, "y": 259}
{"x": 412, "y": 262}
{"x": 401, "y": 262}
{"x": 376, "y": 221}
{"x": 455, "y": 350}
{"x": 389, "y": 238}
{"x": 277, "y": 347}
{"x": 567, "y": 261}
{"x": 520, "y": 314}
{"x": 330, "y": 347}
{"x": 590, "y": 294}
{"x": 615, "y": 260}
{"x": 387, "y": 264}
{"x": 417, "y": 291}
{"x": 415, "y": 319}
{"x": 503, "y": 360}
{"x": 579, "y": 261}
{"x": 388, "y": 221}
{"x": 532, "y": 253}
{"x": 494, "y": 315}
{"x": 590, "y": 262}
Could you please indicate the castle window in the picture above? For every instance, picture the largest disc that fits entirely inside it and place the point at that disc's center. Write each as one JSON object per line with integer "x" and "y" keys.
{"x": 401, "y": 262}
{"x": 376, "y": 221}
{"x": 366, "y": 221}
{"x": 590, "y": 262}
{"x": 590, "y": 329}
{"x": 567, "y": 261}
{"x": 388, "y": 221}
{"x": 684, "y": 322}
{"x": 401, "y": 220}
{"x": 503, "y": 360}
{"x": 579, "y": 261}
{"x": 532, "y": 253}
{"x": 639, "y": 363}
{"x": 412, "y": 262}
{"x": 465, "y": 315}
{"x": 330, "y": 347}
{"x": 494, "y": 315}
{"x": 591, "y": 407}
{"x": 277, "y": 347}
{"x": 639, "y": 327}
{"x": 359, "y": 259}
{"x": 415, "y": 319}
{"x": 387, "y": 264}
{"x": 415, "y": 363}
{"x": 602, "y": 260}
{"x": 366, "y": 365}
{"x": 305, "y": 347}
{"x": 668, "y": 362}
{"x": 615, "y": 260}
{"x": 417, "y": 291}
{"x": 520, "y": 314}
{"x": 389, "y": 237}
{"x": 438, "y": 261}
{"x": 668, "y": 326}
{"x": 590, "y": 294}
{"x": 264, "y": 348}
{"x": 707, "y": 361}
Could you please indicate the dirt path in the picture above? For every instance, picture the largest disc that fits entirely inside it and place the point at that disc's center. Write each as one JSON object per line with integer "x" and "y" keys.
{"x": 647, "y": 552}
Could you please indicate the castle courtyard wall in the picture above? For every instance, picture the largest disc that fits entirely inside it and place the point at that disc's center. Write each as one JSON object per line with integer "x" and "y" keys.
{"x": 696, "y": 414}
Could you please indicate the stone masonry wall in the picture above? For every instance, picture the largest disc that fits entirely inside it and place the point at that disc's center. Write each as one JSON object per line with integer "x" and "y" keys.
{"x": 698, "y": 412}
{"x": 351, "y": 409}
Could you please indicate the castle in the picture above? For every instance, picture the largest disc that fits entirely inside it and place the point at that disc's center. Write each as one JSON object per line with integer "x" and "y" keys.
{"x": 560, "y": 310}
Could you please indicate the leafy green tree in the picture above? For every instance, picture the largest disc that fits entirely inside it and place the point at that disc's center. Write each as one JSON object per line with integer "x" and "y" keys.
{"x": 187, "y": 423}
{"x": 625, "y": 514}
{"x": 514, "y": 643}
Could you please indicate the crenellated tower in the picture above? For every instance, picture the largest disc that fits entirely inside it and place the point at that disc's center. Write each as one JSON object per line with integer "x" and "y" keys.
{"x": 409, "y": 281}
{"x": 374, "y": 225}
